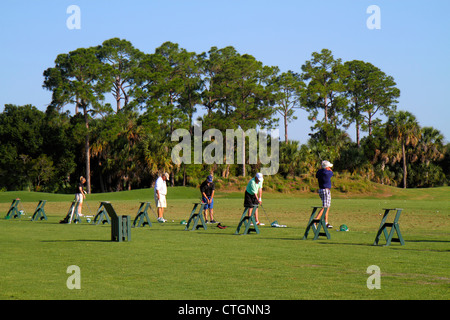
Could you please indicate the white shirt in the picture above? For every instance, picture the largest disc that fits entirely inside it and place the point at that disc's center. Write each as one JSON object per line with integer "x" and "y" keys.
{"x": 161, "y": 186}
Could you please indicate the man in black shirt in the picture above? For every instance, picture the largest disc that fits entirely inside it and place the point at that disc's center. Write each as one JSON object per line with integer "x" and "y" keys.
{"x": 207, "y": 191}
{"x": 80, "y": 194}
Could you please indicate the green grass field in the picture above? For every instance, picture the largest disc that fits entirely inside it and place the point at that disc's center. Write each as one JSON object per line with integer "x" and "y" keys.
{"x": 165, "y": 262}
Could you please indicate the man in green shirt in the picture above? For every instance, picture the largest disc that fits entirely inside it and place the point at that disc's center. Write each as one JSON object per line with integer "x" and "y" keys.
{"x": 253, "y": 195}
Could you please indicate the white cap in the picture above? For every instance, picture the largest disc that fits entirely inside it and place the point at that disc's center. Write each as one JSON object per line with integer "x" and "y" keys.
{"x": 326, "y": 164}
{"x": 259, "y": 176}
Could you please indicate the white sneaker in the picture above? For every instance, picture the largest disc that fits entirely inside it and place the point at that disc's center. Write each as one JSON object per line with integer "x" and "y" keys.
{"x": 162, "y": 220}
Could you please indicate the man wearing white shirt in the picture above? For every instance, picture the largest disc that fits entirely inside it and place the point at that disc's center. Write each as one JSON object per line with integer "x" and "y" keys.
{"x": 160, "y": 195}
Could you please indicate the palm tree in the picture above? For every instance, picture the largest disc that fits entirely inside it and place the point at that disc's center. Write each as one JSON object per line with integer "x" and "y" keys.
{"x": 431, "y": 145}
{"x": 382, "y": 154}
{"x": 404, "y": 128}
{"x": 117, "y": 142}
{"x": 429, "y": 151}
{"x": 289, "y": 158}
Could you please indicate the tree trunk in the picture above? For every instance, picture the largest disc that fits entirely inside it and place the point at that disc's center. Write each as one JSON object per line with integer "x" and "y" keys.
{"x": 404, "y": 165}
{"x": 227, "y": 171}
{"x": 102, "y": 184}
{"x": 285, "y": 129}
{"x": 325, "y": 110}
{"x": 357, "y": 134}
{"x": 243, "y": 153}
{"x": 87, "y": 151}
{"x": 118, "y": 95}
{"x": 77, "y": 106}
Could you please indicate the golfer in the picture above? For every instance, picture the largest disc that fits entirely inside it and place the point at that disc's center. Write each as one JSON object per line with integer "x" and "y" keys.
{"x": 253, "y": 195}
{"x": 207, "y": 190}
{"x": 80, "y": 194}
{"x": 324, "y": 179}
{"x": 160, "y": 195}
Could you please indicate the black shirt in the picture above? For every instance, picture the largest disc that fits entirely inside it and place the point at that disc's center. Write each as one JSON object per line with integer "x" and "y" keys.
{"x": 80, "y": 185}
{"x": 207, "y": 189}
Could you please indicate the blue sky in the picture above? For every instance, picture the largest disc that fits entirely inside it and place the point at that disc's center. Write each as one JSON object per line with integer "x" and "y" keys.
{"x": 413, "y": 44}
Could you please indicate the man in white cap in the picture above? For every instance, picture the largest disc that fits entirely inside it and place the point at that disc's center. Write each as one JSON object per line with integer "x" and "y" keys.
{"x": 253, "y": 195}
{"x": 324, "y": 178}
{"x": 160, "y": 195}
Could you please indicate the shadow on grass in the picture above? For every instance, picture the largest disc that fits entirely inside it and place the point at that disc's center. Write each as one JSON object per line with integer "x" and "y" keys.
{"x": 443, "y": 241}
{"x": 78, "y": 240}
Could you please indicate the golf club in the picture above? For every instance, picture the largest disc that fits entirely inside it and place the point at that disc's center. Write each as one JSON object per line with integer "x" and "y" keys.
{"x": 273, "y": 224}
{"x": 265, "y": 213}
{"x": 214, "y": 214}
{"x": 88, "y": 217}
{"x": 156, "y": 216}
{"x": 90, "y": 211}
{"x": 72, "y": 209}
{"x": 22, "y": 210}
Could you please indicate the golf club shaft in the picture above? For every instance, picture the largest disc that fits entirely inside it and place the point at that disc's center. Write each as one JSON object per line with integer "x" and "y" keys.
{"x": 89, "y": 208}
{"x": 74, "y": 206}
{"x": 154, "y": 213}
{"x": 265, "y": 213}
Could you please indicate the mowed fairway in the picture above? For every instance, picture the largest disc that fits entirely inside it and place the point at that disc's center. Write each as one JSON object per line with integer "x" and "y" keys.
{"x": 166, "y": 262}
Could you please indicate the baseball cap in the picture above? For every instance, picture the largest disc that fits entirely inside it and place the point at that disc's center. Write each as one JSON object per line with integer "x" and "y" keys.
{"x": 259, "y": 176}
{"x": 209, "y": 178}
{"x": 326, "y": 164}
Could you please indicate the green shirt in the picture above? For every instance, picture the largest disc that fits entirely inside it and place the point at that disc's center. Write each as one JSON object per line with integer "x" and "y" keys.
{"x": 253, "y": 187}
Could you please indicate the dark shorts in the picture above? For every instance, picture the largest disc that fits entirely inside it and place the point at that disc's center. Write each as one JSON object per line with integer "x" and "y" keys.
{"x": 250, "y": 200}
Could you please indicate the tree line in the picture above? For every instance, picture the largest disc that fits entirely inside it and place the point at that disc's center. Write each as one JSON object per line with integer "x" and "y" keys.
{"x": 126, "y": 143}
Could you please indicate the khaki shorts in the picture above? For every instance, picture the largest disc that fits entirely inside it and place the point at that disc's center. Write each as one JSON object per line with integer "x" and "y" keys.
{"x": 79, "y": 197}
{"x": 161, "y": 203}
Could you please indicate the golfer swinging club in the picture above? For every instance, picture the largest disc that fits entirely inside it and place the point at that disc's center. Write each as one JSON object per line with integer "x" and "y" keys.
{"x": 324, "y": 178}
{"x": 160, "y": 195}
{"x": 80, "y": 194}
{"x": 253, "y": 195}
{"x": 207, "y": 190}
